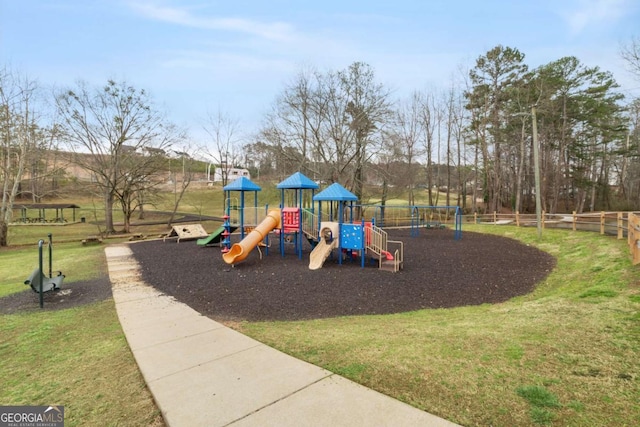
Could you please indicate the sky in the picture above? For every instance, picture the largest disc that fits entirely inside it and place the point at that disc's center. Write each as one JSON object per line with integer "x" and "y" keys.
{"x": 200, "y": 57}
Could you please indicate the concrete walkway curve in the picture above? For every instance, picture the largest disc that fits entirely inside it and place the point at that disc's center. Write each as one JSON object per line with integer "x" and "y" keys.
{"x": 202, "y": 373}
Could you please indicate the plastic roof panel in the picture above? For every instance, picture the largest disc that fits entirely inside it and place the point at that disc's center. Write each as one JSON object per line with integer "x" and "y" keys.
{"x": 335, "y": 192}
{"x": 297, "y": 181}
{"x": 242, "y": 184}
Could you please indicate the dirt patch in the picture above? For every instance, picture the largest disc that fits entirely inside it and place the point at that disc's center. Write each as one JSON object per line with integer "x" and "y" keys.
{"x": 70, "y": 295}
{"x": 439, "y": 272}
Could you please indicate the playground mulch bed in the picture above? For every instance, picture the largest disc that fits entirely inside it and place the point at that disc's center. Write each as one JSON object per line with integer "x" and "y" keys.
{"x": 439, "y": 272}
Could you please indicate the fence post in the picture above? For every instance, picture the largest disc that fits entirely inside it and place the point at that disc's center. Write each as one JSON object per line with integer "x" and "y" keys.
{"x": 475, "y": 217}
{"x": 542, "y": 218}
{"x": 574, "y": 220}
{"x": 620, "y": 235}
{"x": 633, "y": 237}
{"x": 495, "y": 217}
{"x": 517, "y": 219}
{"x": 601, "y": 222}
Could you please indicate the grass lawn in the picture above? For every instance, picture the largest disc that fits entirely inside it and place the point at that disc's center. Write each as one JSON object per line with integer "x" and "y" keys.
{"x": 567, "y": 354}
{"x": 78, "y": 357}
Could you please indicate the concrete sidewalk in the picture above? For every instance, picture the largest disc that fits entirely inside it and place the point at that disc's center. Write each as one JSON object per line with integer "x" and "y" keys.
{"x": 202, "y": 373}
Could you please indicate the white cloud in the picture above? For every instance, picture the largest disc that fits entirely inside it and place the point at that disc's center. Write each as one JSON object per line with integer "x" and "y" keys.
{"x": 273, "y": 31}
{"x": 588, "y": 13}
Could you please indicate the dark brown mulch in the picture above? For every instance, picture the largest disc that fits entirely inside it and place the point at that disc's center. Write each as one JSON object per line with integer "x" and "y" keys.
{"x": 70, "y": 295}
{"x": 438, "y": 272}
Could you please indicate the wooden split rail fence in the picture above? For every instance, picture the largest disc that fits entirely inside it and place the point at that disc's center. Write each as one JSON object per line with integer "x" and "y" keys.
{"x": 619, "y": 224}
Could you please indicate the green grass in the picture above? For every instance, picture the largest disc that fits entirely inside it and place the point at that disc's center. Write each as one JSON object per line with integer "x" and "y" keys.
{"x": 576, "y": 337}
{"x": 542, "y": 402}
{"x": 574, "y": 341}
{"x": 538, "y": 396}
{"x": 199, "y": 202}
{"x": 78, "y": 358}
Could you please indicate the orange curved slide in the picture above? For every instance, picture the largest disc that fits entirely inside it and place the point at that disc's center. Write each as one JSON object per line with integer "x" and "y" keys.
{"x": 239, "y": 251}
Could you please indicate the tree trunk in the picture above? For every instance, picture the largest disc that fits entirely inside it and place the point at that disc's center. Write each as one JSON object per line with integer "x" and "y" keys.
{"x": 520, "y": 173}
{"x": 474, "y": 197}
{"x": 358, "y": 177}
{"x": 4, "y": 231}
{"x": 385, "y": 196}
{"x": 108, "y": 212}
{"x": 127, "y": 224}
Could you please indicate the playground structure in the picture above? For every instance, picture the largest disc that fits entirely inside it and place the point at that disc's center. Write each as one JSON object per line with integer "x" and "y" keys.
{"x": 329, "y": 240}
{"x": 37, "y": 280}
{"x": 354, "y": 240}
{"x": 239, "y": 251}
{"x": 329, "y": 232}
{"x": 186, "y": 232}
{"x": 258, "y": 223}
{"x": 216, "y": 237}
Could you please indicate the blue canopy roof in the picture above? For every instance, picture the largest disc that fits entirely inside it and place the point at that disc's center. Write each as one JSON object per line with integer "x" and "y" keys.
{"x": 297, "y": 181}
{"x": 335, "y": 192}
{"x": 242, "y": 184}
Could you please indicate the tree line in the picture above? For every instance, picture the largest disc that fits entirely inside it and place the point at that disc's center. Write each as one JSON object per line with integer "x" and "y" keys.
{"x": 474, "y": 141}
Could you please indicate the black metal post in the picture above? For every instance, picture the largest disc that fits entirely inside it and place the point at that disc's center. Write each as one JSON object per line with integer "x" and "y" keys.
{"x": 50, "y": 256}
{"x": 40, "y": 243}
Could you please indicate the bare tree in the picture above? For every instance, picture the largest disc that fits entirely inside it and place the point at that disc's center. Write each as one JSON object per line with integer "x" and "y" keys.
{"x": 137, "y": 182}
{"x": 431, "y": 122}
{"x": 457, "y": 124}
{"x": 329, "y": 124}
{"x": 186, "y": 161}
{"x": 18, "y": 129}
{"x": 391, "y": 154}
{"x": 409, "y": 128}
{"x": 630, "y": 52}
{"x": 295, "y": 122}
{"x": 118, "y": 136}
{"x": 305, "y": 129}
{"x": 44, "y": 165}
{"x": 224, "y": 149}
{"x": 368, "y": 109}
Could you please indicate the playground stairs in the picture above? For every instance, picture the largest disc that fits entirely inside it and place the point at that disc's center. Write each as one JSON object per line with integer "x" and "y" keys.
{"x": 388, "y": 253}
{"x": 393, "y": 265}
{"x": 390, "y": 265}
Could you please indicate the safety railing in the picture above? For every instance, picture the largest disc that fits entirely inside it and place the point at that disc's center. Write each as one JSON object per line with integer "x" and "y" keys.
{"x": 398, "y": 253}
{"x": 249, "y": 216}
{"x": 378, "y": 243}
{"x": 310, "y": 224}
